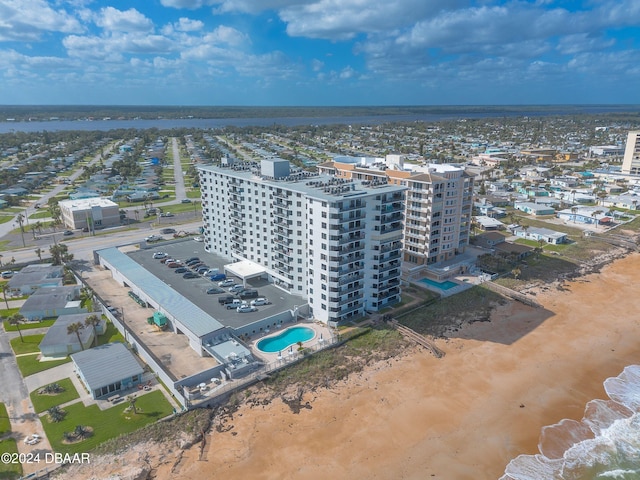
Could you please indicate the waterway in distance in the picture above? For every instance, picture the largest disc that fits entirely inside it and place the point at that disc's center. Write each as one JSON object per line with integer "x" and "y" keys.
{"x": 213, "y": 123}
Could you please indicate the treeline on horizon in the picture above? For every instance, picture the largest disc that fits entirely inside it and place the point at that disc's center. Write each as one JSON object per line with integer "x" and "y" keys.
{"x": 23, "y": 113}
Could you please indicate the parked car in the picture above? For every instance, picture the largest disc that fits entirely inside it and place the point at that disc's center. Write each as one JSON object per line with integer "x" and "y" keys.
{"x": 159, "y": 255}
{"x": 67, "y": 233}
{"x": 248, "y": 293}
{"x": 181, "y": 270}
{"x": 191, "y": 259}
{"x": 259, "y": 302}
{"x": 167, "y": 259}
{"x": 186, "y": 200}
{"x": 190, "y": 275}
{"x": 246, "y": 309}
{"x": 198, "y": 238}
{"x": 153, "y": 238}
{"x": 7, "y": 274}
{"x": 215, "y": 290}
{"x": 168, "y": 214}
{"x": 235, "y": 304}
{"x": 226, "y": 283}
{"x": 236, "y": 288}
{"x": 218, "y": 276}
{"x": 202, "y": 270}
{"x": 226, "y": 299}
{"x": 173, "y": 264}
{"x": 167, "y": 231}
{"x": 191, "y": 263}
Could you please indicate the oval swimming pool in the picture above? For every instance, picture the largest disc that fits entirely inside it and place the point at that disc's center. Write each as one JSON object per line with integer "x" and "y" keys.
{"x": 289, "y": 337}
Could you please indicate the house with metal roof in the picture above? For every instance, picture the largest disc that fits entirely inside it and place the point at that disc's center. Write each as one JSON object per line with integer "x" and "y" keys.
{"x": 107, "y": 369}
{"x": 51, "y": 302}
{"x": 33, "y": 277}
{"x": 58, "y": 342}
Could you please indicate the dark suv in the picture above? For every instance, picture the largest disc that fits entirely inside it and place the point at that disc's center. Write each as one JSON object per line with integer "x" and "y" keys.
{"x": 226, "y": 299}
{"x": 248, "y": 294}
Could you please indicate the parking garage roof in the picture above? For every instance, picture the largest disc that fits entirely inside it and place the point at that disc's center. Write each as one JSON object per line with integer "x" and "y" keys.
{"x": 195, "y": 319}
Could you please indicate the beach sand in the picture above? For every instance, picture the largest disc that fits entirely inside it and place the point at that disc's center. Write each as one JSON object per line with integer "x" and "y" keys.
{"x": 464, "y": 416}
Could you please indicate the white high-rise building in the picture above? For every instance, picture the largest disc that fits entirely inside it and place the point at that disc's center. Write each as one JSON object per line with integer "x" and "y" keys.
{"x": 439, "y": 203}
{"x": 335, "y": 242}
{"x": 631, "y": 160}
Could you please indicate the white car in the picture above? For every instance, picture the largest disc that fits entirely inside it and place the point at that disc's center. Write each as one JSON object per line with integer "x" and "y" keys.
{"x": 159, "y": 255}
{"x": 246, "y": 309}
{"x": 153, "y": 238}
{"x": 226, "y": 283}
{"x": 259, "y": 301}
{"x": 199, "y": 238}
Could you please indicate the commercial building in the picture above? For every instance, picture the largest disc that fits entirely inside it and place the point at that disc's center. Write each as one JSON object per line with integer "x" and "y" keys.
{"x": 631, "y": 160}
{"x": 90, "y": 213}
{"x": 334, "y": 242}
{"x": 438, "y": 204}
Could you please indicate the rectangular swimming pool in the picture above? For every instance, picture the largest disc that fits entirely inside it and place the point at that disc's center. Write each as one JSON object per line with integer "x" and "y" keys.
{"x": 446, "y": 285}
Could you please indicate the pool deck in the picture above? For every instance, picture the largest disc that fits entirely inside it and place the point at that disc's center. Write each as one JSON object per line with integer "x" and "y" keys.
{"x": 463, "y": 282}
{"x": 320, "y": 330}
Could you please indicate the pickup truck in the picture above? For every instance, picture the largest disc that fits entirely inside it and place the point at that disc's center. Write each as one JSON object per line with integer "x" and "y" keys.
{"x": 235, "y": 304}
{"x": 226, "y": 299}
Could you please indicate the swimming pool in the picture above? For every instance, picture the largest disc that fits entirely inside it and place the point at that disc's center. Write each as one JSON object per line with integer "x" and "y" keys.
{"x": 289, "y": 337}
{"x": 446, "y": 285}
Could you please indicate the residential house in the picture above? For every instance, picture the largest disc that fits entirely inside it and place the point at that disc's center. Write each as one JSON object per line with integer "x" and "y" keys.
{"x": 50, "y": 302}
{"x": 537, "y": 234}
{"x": 58, "y": 342}
{"x": 534, "y": 208}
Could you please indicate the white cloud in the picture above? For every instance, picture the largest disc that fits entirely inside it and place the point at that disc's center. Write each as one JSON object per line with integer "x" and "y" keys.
{"x": 188, "y": 25}
{"x": 114, "y": 20}
{"x": 28, "y": 20}
{"x": 187, "y": 4}
{"x": 317, "y": 65}
{"x": 227, "y": 35}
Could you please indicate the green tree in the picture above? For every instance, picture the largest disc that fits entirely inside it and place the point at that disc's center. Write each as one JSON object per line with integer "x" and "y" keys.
{"x": 76, "y": 328}
{"x": 20, "y": 220}
{"x": 93, "y": 321}
{"x": 16, "y": 319}
{"x": 516, "y": 272}
{"x": 132, "y": 399}
{"x": 39, "y": 253}
{"x": 60, "y": 254}
{"x": 5, "y": 287}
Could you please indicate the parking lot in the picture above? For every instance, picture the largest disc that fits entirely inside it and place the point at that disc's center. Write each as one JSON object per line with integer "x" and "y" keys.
{"x": 195, "y": 289}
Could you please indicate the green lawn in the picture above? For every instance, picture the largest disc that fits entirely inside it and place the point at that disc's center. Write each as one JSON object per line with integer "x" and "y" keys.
{"x": 44, "y": 213}
{"x": 29, "y": 364}
{"x": 5, "y": 424}
{"x": 29, "y": 344}
{"x": 23, "y": 326}
{"x": 9, "y": 470}
{"x": 44, "y": 402}
{"x": 106, "y": 424}
{"x": 110, "y": 335}
{"x": 5, "y": 218}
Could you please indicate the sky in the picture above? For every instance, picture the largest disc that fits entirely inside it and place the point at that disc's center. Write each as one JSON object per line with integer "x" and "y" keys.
{"x": 319, "y": 52}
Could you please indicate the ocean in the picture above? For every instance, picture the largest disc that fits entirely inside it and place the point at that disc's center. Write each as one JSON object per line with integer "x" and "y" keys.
{"x": 605, "y": 444}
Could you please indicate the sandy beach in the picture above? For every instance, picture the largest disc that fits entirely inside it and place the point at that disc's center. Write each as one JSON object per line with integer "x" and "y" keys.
{"x": 464, "y": 416}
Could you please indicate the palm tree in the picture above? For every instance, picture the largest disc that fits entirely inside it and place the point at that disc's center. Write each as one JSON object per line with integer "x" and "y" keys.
{"x": 20, "y": 220}
{"x": 86, "y": 296}
{"x": 574, "y": 210}
{"x": 39, "y": 253}
{"x": 132, "y": 399}
{"x": 15, "y": 319}
{"x": 56, "y": 414}
{"x": 516, "y": 272}
{"x": 595, "y": 214}
{"x": 76, "y": 328}
{"x": 81, "y": 432}
{"x": 5, "y": 287}
{"x": 93, "y": 321}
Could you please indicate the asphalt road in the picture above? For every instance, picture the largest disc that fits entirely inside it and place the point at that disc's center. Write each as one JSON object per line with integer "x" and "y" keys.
{"x": 12, "y": 388}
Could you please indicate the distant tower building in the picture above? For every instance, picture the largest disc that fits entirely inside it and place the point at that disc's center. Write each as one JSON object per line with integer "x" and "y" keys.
{"x": 438, "y": 206}
{"x": 334, "y": 242}
{"x": 631, "y": 161}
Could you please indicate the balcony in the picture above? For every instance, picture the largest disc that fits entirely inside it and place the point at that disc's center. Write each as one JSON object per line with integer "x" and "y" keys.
{"x": 283, "y": 242}
{"x": 394, "y": 217}
{"x": 350, "y": 278}
{"x": 394, "y": 207}
{"x": 352, "y": 206}
{"x": 287, "y": 252}
{"x": 281, "y": 194}
{"x": 351, "y": 238}
{"x": 281, "y": 203}
{"x": 280, "y": 213}
{"x": 281, "y": 223}
{"x": 390, "y": 266}
{"x": 355, "y": 228}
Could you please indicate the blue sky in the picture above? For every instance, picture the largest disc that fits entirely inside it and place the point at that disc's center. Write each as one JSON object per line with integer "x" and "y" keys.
{"x": 319, "y": 52}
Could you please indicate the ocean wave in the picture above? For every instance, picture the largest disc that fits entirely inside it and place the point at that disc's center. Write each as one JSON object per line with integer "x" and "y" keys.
{"x": 604, "y": 444}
